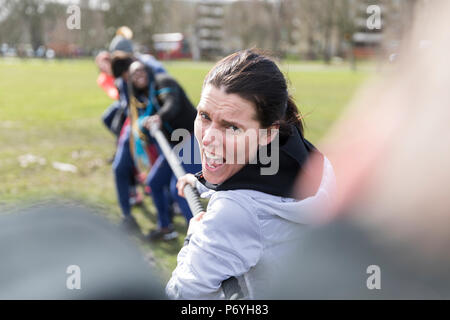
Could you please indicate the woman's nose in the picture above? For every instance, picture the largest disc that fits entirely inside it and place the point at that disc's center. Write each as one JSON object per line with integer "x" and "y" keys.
{"x": 206, "y": 138}
{"x": 211, "y": 137}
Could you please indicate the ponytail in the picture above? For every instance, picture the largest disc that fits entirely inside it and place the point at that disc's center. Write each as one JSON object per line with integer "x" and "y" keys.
{"x": 292, "y": 117}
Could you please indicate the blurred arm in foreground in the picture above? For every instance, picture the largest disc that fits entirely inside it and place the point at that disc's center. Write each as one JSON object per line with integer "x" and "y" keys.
{"x": 42, "y": 247}
{"x": 391, "y": 153}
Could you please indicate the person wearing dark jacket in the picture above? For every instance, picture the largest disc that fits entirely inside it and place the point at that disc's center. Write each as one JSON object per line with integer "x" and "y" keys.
{"x": 175, "y": 112}
{"x": 115, "y": 115}
{"x": 154, "y": 98}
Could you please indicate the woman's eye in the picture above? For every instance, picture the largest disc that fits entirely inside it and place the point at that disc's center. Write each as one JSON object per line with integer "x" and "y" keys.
{"x": 204, "y": 116}
{"x": 234, "y": 128}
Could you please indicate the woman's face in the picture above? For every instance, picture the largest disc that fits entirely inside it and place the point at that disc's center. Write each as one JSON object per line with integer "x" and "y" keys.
{"x": 105, "y": 65}
{"x": 103, "y": 61}
{"x": 138, "y": 75}
{"x": 227, "y": 132}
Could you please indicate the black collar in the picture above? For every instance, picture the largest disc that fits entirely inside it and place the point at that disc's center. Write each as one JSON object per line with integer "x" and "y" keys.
{"x": 293, "y": 154}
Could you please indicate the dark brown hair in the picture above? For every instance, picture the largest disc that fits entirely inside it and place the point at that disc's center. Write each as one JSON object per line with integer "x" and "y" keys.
{"x": 256, "y": 78}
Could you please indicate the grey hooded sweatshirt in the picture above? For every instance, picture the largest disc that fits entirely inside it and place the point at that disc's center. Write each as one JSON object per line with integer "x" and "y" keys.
{"x": 247, "y": 234}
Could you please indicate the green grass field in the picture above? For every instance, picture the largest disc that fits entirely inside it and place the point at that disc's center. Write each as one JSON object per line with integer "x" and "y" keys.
{"x": 52, "y": 110}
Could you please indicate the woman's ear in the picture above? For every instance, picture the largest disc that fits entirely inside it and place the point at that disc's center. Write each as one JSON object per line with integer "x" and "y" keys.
{"x": 267, "y": 135}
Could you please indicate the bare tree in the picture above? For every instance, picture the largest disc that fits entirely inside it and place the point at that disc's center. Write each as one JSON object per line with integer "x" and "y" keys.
{"x": 345, "y": 24}
{"x": 124, "y": 13}
{"x": 156, "y": 19}
{"x": 26, "y": 13}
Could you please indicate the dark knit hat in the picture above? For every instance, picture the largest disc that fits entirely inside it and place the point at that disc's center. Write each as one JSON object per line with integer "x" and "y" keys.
{"x": 119, "y": 43}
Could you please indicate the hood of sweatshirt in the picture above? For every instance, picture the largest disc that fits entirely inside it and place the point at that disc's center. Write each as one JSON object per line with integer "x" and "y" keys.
{"x": 313, "y": 209}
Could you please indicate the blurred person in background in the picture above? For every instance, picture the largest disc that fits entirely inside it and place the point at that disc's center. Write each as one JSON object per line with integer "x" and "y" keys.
{"x": 119, "y": 118}
{"x": 114, "y": 68}
{"x": 161, "y": 100}
{"x": 389, "y": 234}
{"x": 115, "y": 117}
{"x": 107, "y": 82}
{"x": 126, "y": 175}
{"x": 105, "y": 79}
{"x": 122, "y": 48}
{"x": 169, "y": 108}
{"x": 123, "y": 42}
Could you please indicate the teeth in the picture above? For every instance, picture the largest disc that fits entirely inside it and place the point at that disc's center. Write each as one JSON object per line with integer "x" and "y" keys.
{"x": 213, "y": 161}
{"x": 210, "y": 163}
{"x": 212, "y": 157}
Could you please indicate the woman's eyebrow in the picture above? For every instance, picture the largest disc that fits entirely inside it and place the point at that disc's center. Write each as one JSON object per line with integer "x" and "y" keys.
{"x": 226, "y": 123}
{"x": 201, "y": 109}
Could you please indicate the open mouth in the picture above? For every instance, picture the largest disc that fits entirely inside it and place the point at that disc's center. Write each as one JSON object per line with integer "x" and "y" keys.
{"x": 212, "y": 161}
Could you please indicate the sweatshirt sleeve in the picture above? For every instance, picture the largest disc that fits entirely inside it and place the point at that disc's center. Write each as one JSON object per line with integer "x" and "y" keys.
{"x": 227, "y": 243}
{"x": 170, "y": 97}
